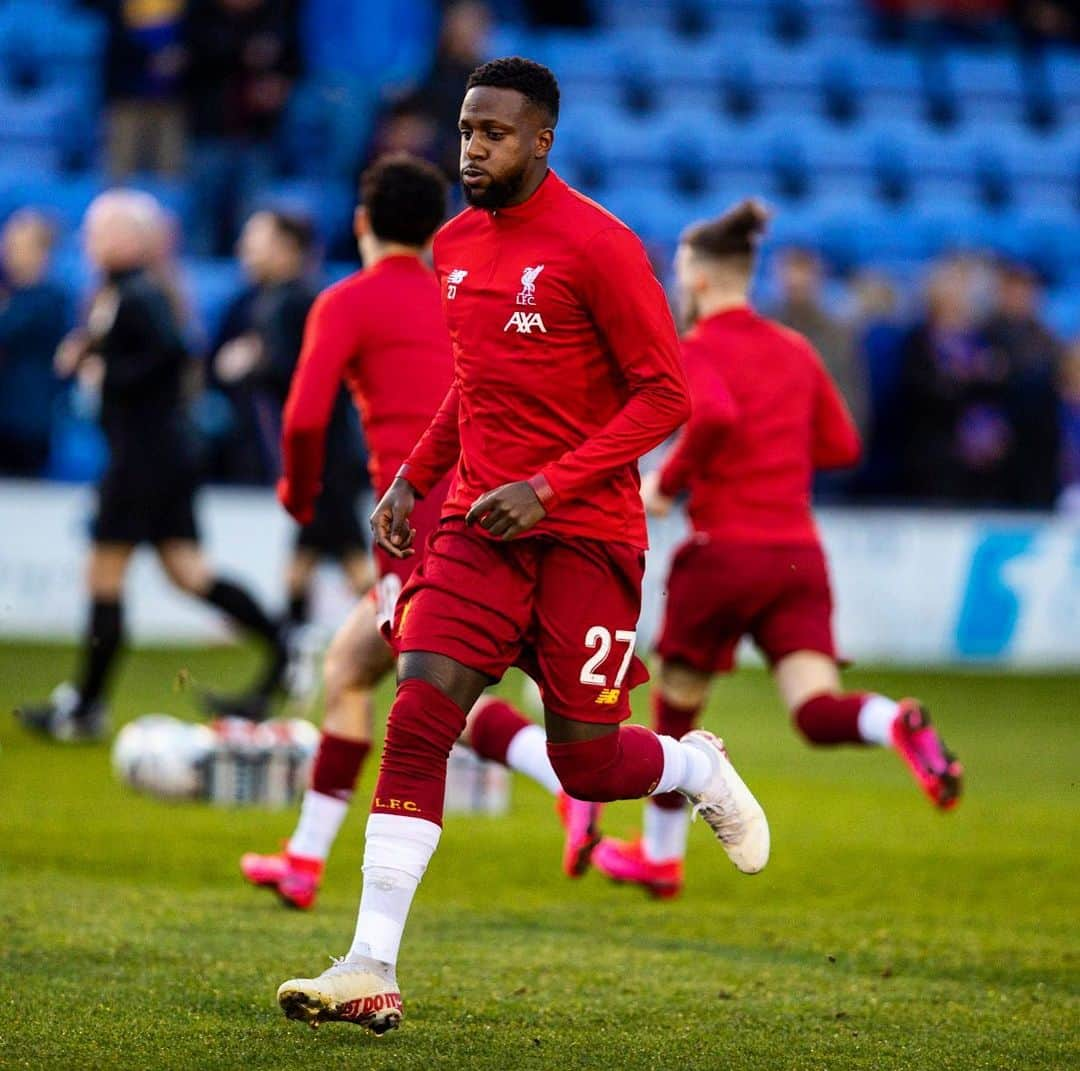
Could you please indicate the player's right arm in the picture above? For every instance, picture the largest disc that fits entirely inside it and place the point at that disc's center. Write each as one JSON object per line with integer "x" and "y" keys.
{"x": 324, "y": 355}
{"x": 835, "y": 443}
{"x": 430, "y": 460}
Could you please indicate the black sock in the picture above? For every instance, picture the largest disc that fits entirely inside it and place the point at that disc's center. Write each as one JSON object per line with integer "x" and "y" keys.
{"x": 299, "y": 609}
{"x": 234, "y": 601}
{"x": 104, "y": 635}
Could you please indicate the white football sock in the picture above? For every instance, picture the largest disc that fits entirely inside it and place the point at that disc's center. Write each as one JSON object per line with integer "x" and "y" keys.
{"x": 396, "y": 854}
{"x": 686, "y": 768}
{"x": 876, "y": 717}
{"x": 527, "y": 754}
{"x": 320, "y": 819}
{"x": 664, "y": 832}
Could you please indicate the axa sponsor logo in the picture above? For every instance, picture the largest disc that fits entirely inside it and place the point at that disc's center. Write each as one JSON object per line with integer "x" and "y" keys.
{"x": 526, "y": 323}
{"x": 453, "y": 281}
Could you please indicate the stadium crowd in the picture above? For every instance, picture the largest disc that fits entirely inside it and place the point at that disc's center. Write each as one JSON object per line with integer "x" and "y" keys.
{"x": 964, "y": 394}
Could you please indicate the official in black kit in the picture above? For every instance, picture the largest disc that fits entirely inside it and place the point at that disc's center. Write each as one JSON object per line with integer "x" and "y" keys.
{"x": 132, "y": 350}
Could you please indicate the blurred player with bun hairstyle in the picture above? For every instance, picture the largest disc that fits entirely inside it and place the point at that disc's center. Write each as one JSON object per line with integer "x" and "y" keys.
{"x": 765, "y": 417}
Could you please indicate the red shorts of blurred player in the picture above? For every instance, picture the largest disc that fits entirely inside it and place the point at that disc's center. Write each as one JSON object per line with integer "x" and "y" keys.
{"x": 719, "y": 592}
{"x": 393, "y": 573}
{"x": 566, "y": 613}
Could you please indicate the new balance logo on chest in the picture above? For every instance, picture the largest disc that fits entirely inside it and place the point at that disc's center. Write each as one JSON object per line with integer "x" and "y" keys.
{"x": 453, "y": 280}
{"x": 525, "y": 322}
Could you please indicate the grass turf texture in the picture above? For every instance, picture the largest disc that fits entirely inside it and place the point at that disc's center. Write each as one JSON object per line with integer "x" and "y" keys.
{"x": 882, "y": 935}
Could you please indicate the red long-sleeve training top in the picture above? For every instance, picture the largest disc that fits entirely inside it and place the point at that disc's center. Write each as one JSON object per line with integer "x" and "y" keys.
{"x": 382, "y": 332}
{"x": 566, "y": 363}
{"x": 765, "y": 416}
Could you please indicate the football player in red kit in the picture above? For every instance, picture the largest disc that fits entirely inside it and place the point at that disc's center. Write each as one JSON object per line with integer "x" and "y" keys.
{"x": 765, "y": 417}
{"x": 566, "y": 370}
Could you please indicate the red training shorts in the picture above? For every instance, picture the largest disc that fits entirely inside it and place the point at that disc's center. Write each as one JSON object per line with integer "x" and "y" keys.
{"x": 720, "y": 592}
{"x": 393, "y": 573}
{"x": 566, "y": 613}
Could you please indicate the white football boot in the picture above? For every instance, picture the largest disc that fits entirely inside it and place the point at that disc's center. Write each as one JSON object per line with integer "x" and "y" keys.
{"x": 729, "y": 807}
{"x": 360, "y": 991}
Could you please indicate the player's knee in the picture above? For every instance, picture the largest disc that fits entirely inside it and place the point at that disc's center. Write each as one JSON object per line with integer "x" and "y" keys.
{"x": 424, "y": 723}
{"x": 587, "y": 769}
{"x": 682, "y": 686}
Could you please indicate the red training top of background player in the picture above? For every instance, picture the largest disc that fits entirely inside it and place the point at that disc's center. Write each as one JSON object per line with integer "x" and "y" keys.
{"x": 566, "y": 363}
{"x": 765, "y": 416}
{"x": 382, "y": 332}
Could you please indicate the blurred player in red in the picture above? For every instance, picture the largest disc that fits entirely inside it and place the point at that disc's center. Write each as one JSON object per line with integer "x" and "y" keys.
{"x": 381, "y": 331}
{"x": 566, "y": 370}
{"x": 765, "y": 417}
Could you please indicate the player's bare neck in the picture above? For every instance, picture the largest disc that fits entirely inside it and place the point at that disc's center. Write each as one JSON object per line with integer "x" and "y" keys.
{"x": 528, "y": 188}
{"x": 713, "y": 302}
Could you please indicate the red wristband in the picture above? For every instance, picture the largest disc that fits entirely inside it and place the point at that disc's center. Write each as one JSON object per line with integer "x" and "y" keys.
{"x": 544, "y": 491}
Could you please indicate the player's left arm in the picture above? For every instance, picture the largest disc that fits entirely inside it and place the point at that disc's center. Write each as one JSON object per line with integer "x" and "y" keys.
{"x": 324, "y": 355}
{"x": 630, "y": 310}
{"x": 836, "y": 443}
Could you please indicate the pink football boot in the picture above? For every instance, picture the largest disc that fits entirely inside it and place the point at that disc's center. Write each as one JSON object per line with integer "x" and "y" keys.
{"x": 580, "y": 820}
{"x": 935, "y": 768}
{"x": 294, "y": 878}
{"x": 625, "y": 861}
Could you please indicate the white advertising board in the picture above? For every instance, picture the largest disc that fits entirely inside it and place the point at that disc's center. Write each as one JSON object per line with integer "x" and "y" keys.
{"x": 911, "y": 587}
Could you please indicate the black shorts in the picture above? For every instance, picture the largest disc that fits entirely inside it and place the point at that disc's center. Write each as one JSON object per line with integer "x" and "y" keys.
{"x": 136, "y": 505}
{"x": 337, "y": 530}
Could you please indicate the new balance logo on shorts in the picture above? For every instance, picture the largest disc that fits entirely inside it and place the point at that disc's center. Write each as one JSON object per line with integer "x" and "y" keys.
{"x": 525, "y": 322}
{"x": 608, "y": 697}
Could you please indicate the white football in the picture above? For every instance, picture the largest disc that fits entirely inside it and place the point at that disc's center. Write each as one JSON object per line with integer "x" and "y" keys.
{"x": 163, "y": 756}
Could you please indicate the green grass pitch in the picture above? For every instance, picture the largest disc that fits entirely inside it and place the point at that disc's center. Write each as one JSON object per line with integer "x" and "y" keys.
{"x": 882, "y": 935}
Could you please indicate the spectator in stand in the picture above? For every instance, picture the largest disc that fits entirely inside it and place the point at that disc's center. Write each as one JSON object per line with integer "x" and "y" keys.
{"x": 879, "y": 344}
{"x": 463, "y": 45}
{"x": 954, "y": 398}
{"x": 258, "y": 363}
{"x": 801, "y": 278}
{"x": 244, "y": 57}
{"x": 34, "y": 317}
{"x": 407, "y": 127}
{"x": 1069, "y": 381}
{"x": 1031, "y": 353}
{"x": 1047, "y": 20}
{"x": 144, "y": 65}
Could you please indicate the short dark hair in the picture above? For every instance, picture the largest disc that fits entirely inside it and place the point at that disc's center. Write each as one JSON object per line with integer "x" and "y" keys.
{"x": 405, "y": 198}
{"x": 297, "y": 228}
{"x": 532, "y": 80}
{"x": 734, "y": 234}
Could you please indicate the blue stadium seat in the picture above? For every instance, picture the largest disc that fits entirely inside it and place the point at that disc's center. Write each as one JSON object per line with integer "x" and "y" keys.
{"x": 1063, "y": 74}
{"x": 988, "y": 84}
{"x": 39, "y": 130}
{"x": 64, "y": 197}
{"x": 884, "y": 84}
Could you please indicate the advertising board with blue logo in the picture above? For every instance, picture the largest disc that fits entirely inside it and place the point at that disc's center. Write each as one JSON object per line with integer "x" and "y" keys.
{"x": 912, "y": 588}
